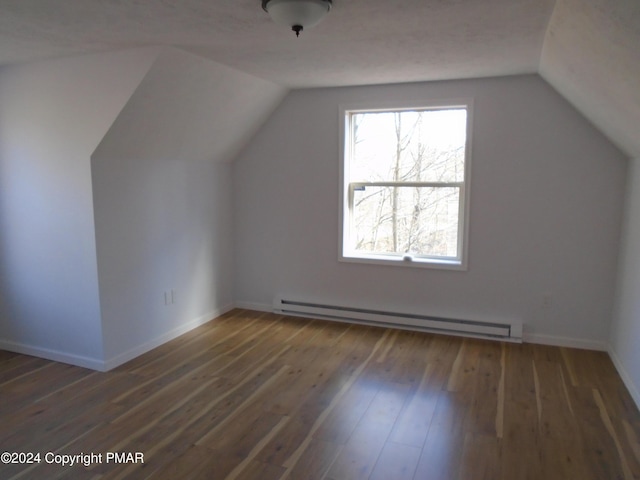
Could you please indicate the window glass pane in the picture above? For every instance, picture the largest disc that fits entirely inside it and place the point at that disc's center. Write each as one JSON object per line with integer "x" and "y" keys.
{"x": 416, "y": 220}
{"x": 427, "y": 146}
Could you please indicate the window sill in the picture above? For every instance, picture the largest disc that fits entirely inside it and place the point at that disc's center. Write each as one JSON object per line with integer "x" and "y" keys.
{"x": 397, "y": 261}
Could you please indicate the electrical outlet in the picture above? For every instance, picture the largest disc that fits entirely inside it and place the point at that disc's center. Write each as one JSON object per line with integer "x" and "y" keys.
{"x": 173, "y": 296}
{"x": 547, "y": 301}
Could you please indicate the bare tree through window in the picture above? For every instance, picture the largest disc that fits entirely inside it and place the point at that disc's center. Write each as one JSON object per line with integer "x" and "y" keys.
{"x": 406, "y": 178}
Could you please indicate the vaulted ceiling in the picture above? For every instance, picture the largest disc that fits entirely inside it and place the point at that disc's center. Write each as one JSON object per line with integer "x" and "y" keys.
{"x": 589, "y": 50}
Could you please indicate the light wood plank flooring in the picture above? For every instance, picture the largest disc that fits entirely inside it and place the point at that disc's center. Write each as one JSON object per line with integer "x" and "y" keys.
{"x": 260, "y": 396}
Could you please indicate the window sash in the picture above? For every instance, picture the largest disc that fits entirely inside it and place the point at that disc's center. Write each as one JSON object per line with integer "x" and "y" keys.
{"x": 349, "y": 183}
{"x": 352, "y": 251}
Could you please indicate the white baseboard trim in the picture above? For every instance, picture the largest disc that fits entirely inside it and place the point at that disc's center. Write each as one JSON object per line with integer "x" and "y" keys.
{"x": 162, "y": 339}
{"x": 103, "y": 366}
{"x": 258, "y": 307}
{"x": 55, "y": 355}
{"x": 540, "y": 339}
{"x": 569, "y": 342}
{"x": 626, "y": 378}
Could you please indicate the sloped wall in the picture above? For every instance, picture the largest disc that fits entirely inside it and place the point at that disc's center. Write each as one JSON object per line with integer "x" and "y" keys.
{"x": 546, "y": 197}
{"x": 53, "y": 114}
{"x": 590, "y": 56}
{"x": 163, "y": 200}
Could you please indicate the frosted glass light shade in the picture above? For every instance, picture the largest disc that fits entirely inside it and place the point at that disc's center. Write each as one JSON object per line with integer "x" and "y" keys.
{"x": 297, "y": 13}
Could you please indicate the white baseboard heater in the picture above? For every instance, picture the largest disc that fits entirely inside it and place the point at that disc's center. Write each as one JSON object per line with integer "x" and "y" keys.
{"x": 496, "y": 330}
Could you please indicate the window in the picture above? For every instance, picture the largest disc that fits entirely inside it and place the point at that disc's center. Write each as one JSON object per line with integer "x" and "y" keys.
{"x": 405, "y": 185}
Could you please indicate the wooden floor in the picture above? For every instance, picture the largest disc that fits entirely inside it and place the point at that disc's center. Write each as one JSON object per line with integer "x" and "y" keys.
{"x": 260, "y": 396}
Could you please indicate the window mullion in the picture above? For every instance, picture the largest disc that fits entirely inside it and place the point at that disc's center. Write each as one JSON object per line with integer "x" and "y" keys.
{"x": 355, "y": 185}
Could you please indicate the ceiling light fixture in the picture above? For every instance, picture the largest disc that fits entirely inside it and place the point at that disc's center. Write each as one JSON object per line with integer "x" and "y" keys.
{"x": 297, "y": 14}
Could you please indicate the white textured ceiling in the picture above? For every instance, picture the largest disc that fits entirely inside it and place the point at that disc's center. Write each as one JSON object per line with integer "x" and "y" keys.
{"x": 360, "y": 42}
{"x": 587, "y": 49}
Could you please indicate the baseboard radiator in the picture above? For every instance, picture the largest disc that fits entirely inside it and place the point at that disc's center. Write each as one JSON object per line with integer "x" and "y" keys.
{"x": 496, "y": 330}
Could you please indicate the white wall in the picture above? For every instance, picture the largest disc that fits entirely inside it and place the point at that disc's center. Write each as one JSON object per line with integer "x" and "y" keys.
{"x": 546, "y": 202}
{"x": 625, "y": 333}
{"x": 162, "y": 224}
{"x": 52, "y": 116}
{"x": 163, "y": 199}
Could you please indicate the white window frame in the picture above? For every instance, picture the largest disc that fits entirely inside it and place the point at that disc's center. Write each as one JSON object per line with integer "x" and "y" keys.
{"x": 346, "y": 253}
